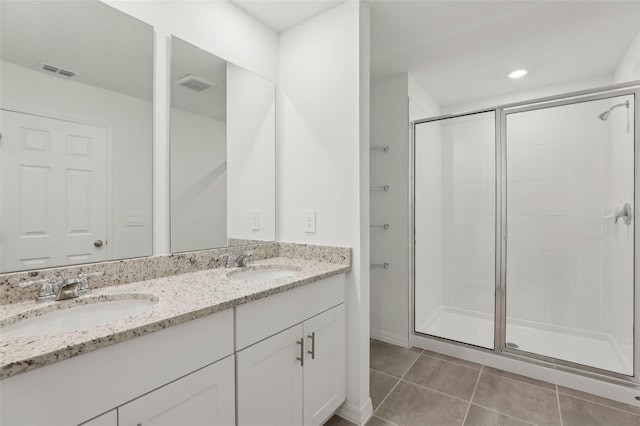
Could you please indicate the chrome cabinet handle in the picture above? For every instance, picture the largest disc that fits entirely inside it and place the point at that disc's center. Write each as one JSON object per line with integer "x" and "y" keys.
{"x": 312, "y": 336}
{"x": 301, "y": 357}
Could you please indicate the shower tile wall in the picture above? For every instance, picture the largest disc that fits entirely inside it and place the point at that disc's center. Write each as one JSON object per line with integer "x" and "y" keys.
{"x": 618, "y": 240}
{"x": 558, "y": 185}
{"x": 468, "y": 212}
{"x": 455, "y": 224}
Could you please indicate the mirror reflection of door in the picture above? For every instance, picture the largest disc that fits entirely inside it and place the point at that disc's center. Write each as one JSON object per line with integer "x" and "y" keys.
{"x": 53, "y": 186}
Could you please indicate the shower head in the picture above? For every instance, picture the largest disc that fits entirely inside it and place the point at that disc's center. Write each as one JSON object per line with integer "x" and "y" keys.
{"x": 607, "y": 113}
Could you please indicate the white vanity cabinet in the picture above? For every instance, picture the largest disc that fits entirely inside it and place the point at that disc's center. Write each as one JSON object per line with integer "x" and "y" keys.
{"x": 297, "y": 375}
{"x": 205, "y": 397}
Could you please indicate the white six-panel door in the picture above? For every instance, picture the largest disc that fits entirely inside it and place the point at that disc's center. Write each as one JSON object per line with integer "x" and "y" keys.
{"x": 53, "y": 187}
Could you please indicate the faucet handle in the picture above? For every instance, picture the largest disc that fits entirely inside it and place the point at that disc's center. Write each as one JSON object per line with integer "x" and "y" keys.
{"x": 46, "y": 288}
{"x": 42, "y": 282}
{"x": 83, "y": 277}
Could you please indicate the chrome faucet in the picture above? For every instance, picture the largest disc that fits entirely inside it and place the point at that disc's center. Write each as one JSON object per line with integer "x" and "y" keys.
{"x": 76, "y": 287}
{"x": 69, "y": 289}
{"x": 237, "y": 260}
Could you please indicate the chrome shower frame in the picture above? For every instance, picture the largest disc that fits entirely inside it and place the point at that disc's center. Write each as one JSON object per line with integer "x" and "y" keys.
{"x": 500, "y": 348}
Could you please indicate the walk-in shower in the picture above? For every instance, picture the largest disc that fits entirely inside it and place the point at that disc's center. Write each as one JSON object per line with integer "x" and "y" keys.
{"x": 524, "y": 232}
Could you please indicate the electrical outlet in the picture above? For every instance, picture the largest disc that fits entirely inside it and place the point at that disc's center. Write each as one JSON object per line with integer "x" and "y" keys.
{"x": 255, "y": 220}
{"x": 309, "y": 221}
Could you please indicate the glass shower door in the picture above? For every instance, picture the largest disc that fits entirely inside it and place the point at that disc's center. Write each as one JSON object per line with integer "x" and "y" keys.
{"x": 454, "y": 228}
{"x": 570, "y": 241}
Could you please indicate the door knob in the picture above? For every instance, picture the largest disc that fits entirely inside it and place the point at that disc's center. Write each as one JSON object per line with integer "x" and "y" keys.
{"x": 97, "y": 243}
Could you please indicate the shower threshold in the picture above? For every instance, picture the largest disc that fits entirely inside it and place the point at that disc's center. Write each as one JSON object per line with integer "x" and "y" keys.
{"x": 584, "y": 347}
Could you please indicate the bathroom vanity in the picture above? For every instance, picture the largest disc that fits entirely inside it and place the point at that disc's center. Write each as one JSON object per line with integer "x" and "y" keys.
{"x": 212, "y": 349}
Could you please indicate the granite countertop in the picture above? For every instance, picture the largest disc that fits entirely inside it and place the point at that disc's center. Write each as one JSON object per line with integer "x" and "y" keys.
{"x": 180, "y": 298}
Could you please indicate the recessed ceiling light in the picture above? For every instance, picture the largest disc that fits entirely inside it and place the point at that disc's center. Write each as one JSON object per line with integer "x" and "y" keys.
{"x": 517, "y": 73}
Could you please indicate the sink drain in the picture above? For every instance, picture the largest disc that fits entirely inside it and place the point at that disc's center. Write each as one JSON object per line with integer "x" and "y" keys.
{"x": 512, "y": 345}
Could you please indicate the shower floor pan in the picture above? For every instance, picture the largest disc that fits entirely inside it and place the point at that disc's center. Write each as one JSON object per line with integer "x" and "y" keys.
{"x": 584, "y": 347}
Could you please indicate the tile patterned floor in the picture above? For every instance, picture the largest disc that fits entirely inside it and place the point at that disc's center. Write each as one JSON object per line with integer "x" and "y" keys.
{"x": 412, "y": 387}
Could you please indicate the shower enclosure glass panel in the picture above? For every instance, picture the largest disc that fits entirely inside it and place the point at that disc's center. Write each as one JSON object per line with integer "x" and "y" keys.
{"x": 454, "y": 211}
{"x": 570, "y": 251}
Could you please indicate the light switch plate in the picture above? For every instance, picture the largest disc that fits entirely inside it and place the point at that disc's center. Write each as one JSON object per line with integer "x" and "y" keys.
{"x": 309, "y": 221}
{"x": 132, "y": 219}
{"x": 255, "y": 220}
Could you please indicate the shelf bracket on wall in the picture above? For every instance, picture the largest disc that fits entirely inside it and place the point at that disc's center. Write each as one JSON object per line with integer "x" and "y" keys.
{"x": 379, "y": 227}
{"x": 380, "y": 188}
{"x": 377, "y": 266}
{"x": 384, "y": 149}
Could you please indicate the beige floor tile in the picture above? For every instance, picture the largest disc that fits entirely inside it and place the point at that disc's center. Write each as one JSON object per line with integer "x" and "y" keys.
{"x": 377, "y": 421}
{"x": 412, "y": 405}
{"x": 479, "y": 416}
{"x": 518, "y": 399}
{"x": 380, "y": 385}
{"x": 391, "y": 359}
{"x": 578, "y": 412}
{"x": 599, "y": 400}
{"x": 525, "y": 379}
{"x": 338, "y": 421}
{"x": 452, "y": 379}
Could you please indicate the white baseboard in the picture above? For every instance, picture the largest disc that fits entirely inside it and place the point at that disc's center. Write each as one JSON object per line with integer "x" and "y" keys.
{"x": 392, "y": 339}
{"x": 359, "y": 416}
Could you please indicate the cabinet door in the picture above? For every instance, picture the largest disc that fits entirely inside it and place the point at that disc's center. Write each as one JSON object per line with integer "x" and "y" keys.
{"x": 270, "y": 381}
{"x": 324, "y": 372}
{"x": 205, "y": 397}
{"x": 110, "y": 418}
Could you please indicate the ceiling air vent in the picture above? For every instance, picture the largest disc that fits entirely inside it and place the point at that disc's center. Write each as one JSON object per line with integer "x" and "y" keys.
{"x": 193, "y": 82}
{"x": 57, "y": 70}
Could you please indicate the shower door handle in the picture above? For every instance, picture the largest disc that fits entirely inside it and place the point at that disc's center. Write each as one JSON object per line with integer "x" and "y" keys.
{"x": 625, "y": 214}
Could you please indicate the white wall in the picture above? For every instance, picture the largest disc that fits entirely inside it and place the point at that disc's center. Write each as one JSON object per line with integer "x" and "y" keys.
{"x": 629, "y": 67}
{"x": 129, "y": 120}
{"x": 216, "y": 26}
{"x": 251, "y": 155}
{"x": 390, "y": 287}
{"x": 198, "y": 182}
{"x": 323, "y": 160}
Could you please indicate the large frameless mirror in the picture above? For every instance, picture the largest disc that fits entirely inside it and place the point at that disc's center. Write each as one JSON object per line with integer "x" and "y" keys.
{"x": 222, "y": 152}
{"x": 76, "y": 122}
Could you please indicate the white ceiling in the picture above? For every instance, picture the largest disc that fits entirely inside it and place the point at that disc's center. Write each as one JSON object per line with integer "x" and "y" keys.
{"x": 106, "y": 47}
{"x": 280, "y": 15}
{"x": 462, "y": 51}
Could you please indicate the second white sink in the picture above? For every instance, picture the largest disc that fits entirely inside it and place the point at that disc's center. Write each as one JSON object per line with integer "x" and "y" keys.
{"x": 263, "y": 274}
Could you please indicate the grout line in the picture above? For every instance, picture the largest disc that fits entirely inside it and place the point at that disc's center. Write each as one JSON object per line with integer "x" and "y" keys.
{"x": 453, "y": 361}
{"x": 386, "y": 420}
{"x": 600, "y": 403}
{"x": 472, "y": 394}
{"x": 505, "y": 414}
{"x": 396, "y": 385}
{"x": 559, "y": 409}
{"x": 386, "y": 374}
{"x": 521, "y": 381}
{"x": 434, "y": 390}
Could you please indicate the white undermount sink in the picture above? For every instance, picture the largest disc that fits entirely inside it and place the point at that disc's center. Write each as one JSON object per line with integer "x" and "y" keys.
{"x": 48, "y": 320}
{"x": 263, "y": 273}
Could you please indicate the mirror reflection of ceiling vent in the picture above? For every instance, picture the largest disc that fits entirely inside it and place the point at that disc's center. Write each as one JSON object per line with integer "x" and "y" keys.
{"x": 58, "y": 70}
{"x": 194, "y": 83}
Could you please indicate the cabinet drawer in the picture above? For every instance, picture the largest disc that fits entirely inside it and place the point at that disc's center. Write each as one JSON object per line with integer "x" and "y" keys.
{"x": 260, "y": 319}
